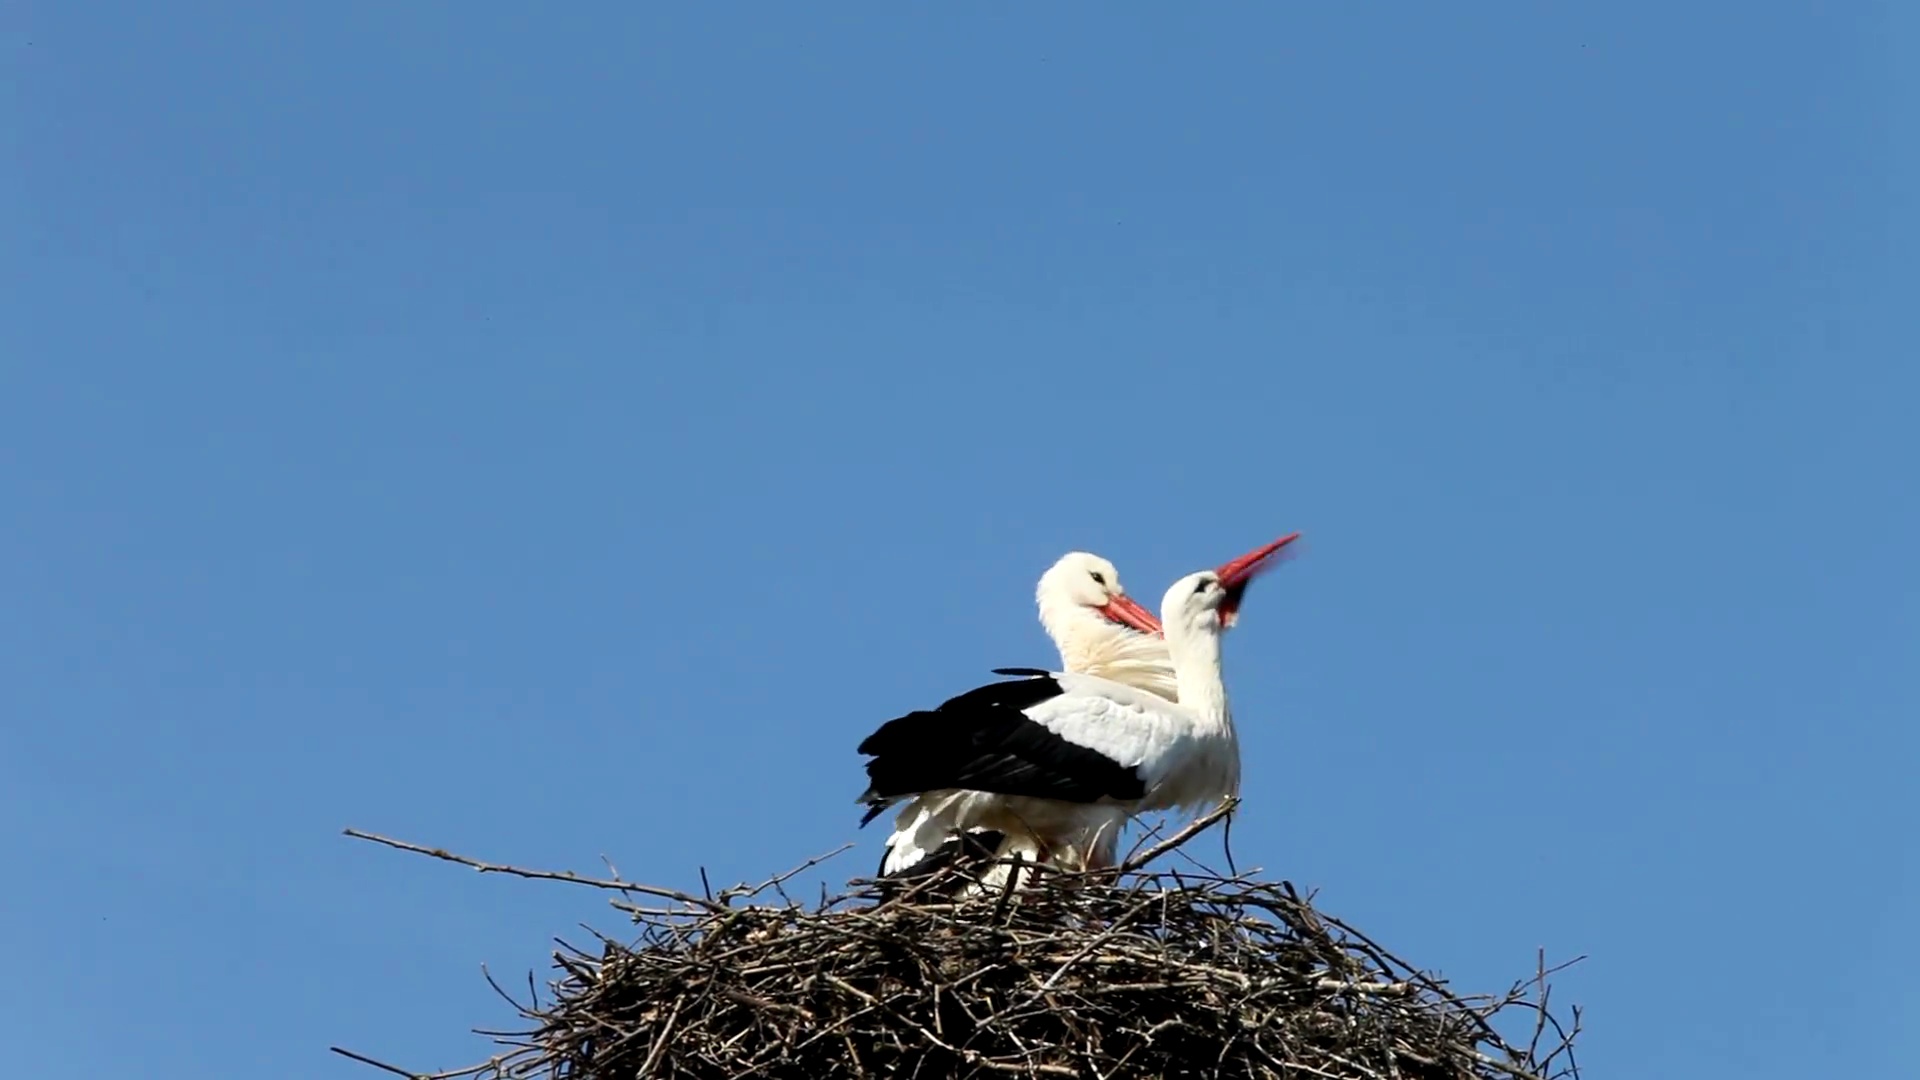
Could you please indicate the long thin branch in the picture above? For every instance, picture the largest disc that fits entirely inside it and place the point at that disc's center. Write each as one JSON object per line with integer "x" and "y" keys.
{"x": 728, "y": 895}
{"x": 451, "y": 1074}
{"x": 539, "y": 875}
{"x": 1193, "y": 829}
{"x": 365, "y": 1060}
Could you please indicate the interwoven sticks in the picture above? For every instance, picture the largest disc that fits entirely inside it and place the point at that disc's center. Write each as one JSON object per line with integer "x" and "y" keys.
{"x": 1101, "y": 977}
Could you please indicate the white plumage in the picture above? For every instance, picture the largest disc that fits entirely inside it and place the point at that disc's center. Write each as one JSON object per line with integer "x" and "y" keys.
{"x": 1057, "y": 762}
{"x": 1098, "y": 630}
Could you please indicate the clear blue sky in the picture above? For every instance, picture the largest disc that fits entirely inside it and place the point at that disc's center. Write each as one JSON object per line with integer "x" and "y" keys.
{"x": 548, "y": 432}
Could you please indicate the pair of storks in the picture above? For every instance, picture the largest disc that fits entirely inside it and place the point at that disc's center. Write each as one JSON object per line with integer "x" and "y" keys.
{"x": 1049, "y": 766}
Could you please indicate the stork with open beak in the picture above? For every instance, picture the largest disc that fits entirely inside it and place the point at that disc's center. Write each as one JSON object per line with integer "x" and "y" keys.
{"x": 1056, "y": 762}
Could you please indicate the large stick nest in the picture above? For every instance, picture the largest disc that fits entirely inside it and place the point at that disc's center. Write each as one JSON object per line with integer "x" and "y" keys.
{"x": 1136, "y": 974}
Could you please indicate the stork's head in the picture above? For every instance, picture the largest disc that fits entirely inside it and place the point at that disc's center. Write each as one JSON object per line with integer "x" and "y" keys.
{"x": 1209, "y": 601}
{"x": 1080, "y": 587}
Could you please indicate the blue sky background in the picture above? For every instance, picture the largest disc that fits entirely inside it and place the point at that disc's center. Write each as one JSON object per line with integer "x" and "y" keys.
{"x": 559, "y": 431}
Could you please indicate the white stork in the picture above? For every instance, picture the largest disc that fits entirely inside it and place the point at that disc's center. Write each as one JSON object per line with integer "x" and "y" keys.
{"x": 1072, "y": 756}
{"x": 1099, "y": 630}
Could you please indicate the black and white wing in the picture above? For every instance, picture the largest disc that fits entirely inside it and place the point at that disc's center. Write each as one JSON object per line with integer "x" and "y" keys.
{"x": 1072, "y": 738}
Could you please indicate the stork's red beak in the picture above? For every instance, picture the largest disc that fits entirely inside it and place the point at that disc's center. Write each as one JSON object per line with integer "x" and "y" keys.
{"x": 1122, "y": 610}
{"x": 1236, "y": 575}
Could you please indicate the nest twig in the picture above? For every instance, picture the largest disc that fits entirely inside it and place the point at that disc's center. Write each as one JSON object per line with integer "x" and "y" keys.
{"x": 1128, "y": 974}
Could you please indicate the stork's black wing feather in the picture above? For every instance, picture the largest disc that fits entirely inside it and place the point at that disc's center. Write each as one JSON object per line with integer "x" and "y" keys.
{"x": 1016, "y": 695}
{"x": 984, "y": 741}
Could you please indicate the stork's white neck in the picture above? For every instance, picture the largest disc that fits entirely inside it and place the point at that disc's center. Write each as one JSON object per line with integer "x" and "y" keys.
{"x": 1196, "y": 671}
{"x": 1090, "y": 645}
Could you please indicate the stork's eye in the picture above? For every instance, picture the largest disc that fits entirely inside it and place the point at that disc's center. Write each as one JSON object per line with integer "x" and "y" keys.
{"x": 1098, "y": 578}
{"x": 1202, "y": 587}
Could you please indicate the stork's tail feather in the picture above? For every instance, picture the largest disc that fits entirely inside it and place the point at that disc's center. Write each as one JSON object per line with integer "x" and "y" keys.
{"x": 965, "y": 857}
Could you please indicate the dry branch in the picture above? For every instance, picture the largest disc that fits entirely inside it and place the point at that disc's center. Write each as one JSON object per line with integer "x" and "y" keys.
{"x": 1096, "y": 976}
